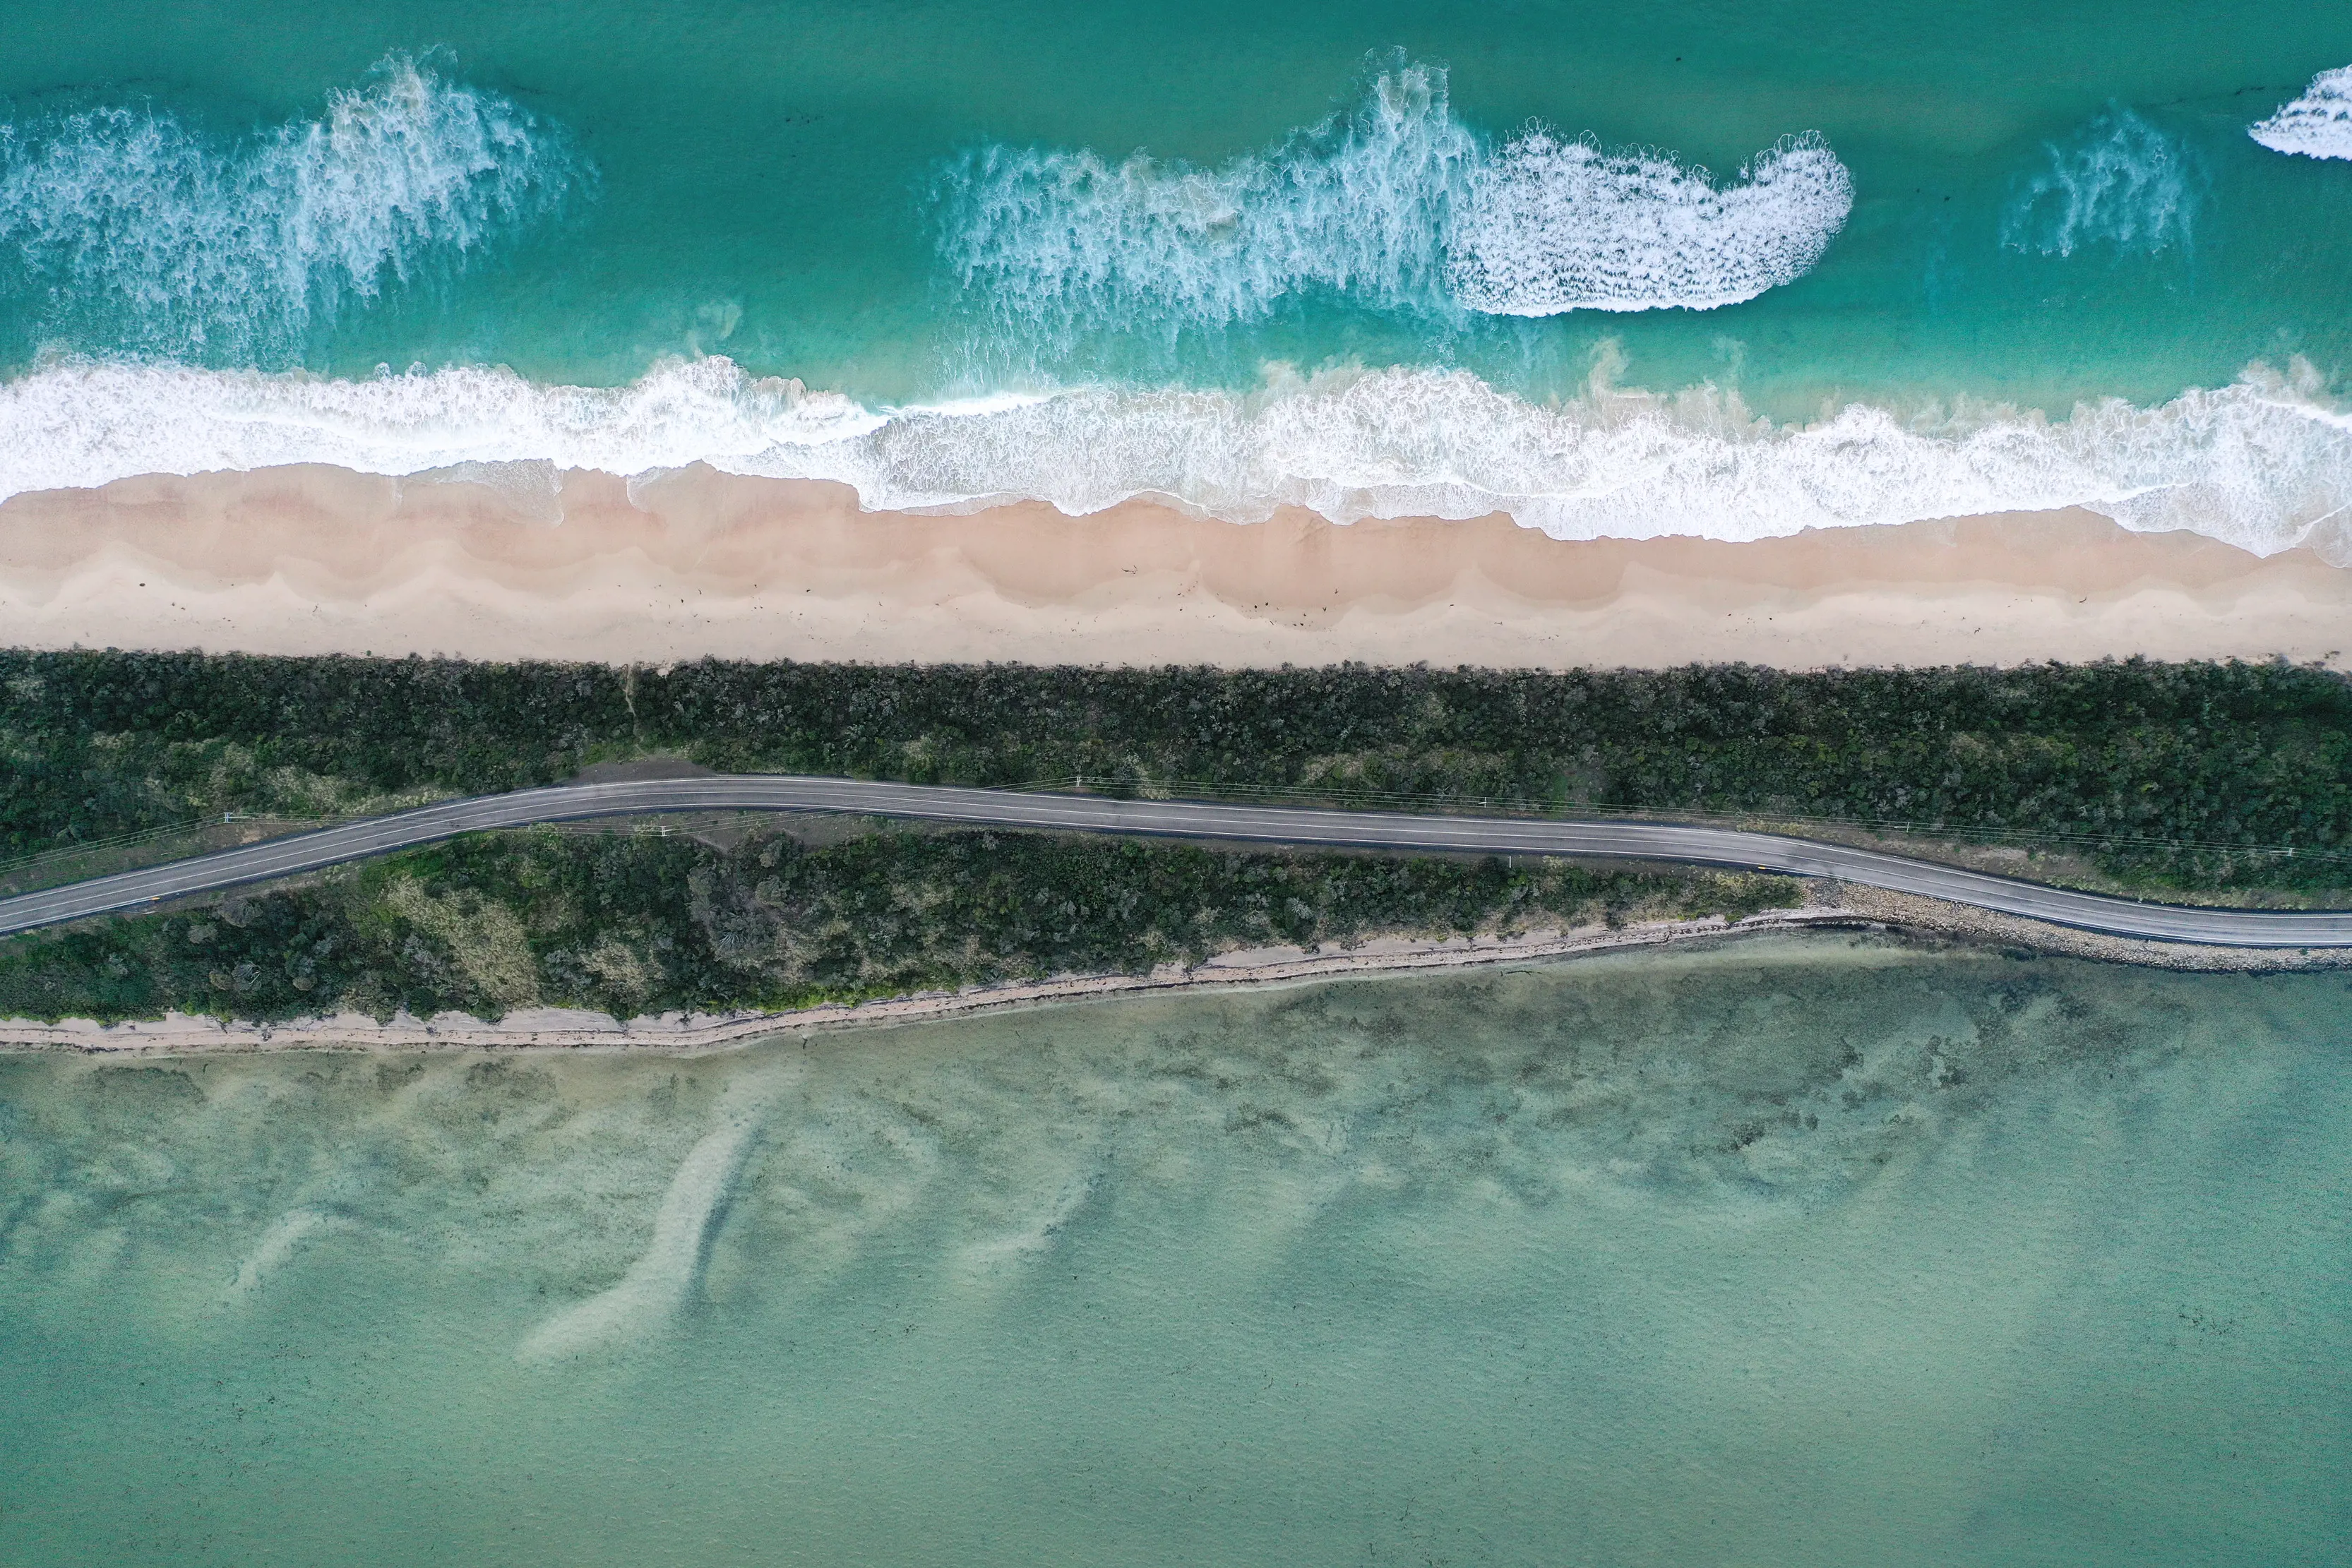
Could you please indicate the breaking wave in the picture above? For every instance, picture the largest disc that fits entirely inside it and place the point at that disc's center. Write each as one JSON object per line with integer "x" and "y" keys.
{"x": 174, "y": 240}
{"x": 1353, "y": 205}
{"x": 2316, "y": 125}
{"x": 1395, "y": 204}
{"x": 1556, "y": 226}
{"x": 2264, "y": 463}
{"x": 2122, "y": 183}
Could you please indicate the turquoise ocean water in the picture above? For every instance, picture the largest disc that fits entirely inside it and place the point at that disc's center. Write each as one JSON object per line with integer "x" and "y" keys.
{"x": 1821, "y": 1252}
{"x": 1615, "y": 270}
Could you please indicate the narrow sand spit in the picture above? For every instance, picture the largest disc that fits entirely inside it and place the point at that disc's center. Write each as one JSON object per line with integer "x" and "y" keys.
{"x": 588, "y": 566}
{"x": 1834, "y": 907}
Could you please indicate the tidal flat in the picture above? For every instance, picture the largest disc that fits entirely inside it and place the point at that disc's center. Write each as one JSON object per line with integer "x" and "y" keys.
{"x": 1815, "y": 1249}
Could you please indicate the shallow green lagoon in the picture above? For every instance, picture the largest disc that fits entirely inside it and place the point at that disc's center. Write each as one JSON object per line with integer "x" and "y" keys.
{"x": 1808, "y": 1253}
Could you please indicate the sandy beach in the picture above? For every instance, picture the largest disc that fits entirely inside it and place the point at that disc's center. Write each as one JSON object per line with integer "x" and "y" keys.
{"x": 527, "y": 563}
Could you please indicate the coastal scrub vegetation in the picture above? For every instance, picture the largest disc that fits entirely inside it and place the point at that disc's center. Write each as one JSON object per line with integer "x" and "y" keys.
{"x": 2164, "y": 775}
{"x": 638, "y": 922}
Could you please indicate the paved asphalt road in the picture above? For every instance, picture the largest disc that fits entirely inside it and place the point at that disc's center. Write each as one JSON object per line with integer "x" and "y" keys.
{"x": 1179, "y": 819}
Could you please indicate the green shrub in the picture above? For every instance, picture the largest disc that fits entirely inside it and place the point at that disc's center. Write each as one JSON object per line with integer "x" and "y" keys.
{"x": 94, "y": 743}
{"x": 638, "y": 922}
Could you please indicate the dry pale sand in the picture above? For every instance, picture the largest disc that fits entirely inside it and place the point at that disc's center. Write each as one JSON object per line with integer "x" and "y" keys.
{"x": 314, "y": 559}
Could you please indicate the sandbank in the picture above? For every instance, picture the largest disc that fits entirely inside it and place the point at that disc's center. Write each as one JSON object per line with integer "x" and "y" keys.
{"x": 527, "y": 563}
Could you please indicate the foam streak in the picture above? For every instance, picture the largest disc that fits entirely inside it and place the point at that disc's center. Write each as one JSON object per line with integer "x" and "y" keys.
{"x": 2123, "y": 183}
{"x": 1393, "y": 204}
{"x": 151, "y": 234}
{"x": 1559, "y": 225}
{"x": 2316, "y": 125}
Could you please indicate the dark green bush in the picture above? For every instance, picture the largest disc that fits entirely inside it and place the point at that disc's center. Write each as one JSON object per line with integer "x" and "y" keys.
{"x": 632, "y": 924}
{"x": 94, "y": 743}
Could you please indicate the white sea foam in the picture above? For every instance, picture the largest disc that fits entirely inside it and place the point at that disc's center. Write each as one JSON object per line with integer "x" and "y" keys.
{"x": 83, "y": 424}
{"x": 177, "y": 239}
{"x": 2264, "y": 463}
{"x": 1555, "y": 226}
{"x": 1356, "y": 204}
{"x": 1393, "y": 203}
{"x": 2121, "y": 182}
{"x": 2316, "y": 125}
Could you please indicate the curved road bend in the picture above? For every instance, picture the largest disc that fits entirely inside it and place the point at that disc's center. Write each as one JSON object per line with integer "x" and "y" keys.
{"x": 1179, "y": 819}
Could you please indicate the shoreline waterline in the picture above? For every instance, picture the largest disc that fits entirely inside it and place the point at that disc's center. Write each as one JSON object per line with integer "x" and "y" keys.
{"x": 1848, "y": 911}
{"x": 2263, "y": 462}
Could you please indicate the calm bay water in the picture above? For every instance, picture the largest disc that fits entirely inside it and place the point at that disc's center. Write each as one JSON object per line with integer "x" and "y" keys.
{"x": 1807, "y": 1252}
